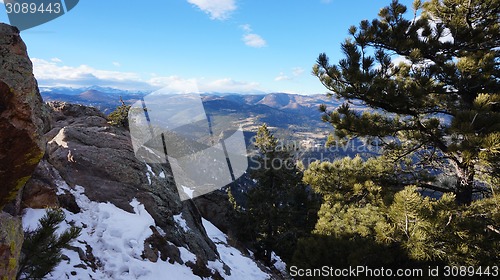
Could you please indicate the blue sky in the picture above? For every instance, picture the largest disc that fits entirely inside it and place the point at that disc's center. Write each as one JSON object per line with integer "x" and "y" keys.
{"x": 217, "y": 45}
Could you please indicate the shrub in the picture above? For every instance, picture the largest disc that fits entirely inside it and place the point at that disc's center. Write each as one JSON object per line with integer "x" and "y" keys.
{"x": 119, "y": 117}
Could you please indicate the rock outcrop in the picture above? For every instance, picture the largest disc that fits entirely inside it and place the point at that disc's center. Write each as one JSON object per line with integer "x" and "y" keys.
{"x": 22, "y": 115}
{"x": 23, "y": 121}
{"x": 89, "y": 167}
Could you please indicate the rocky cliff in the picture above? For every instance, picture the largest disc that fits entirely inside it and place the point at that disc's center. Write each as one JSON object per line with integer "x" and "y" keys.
{"x": 22, "y": 116}
{"x": 23, "y": 121}
{"x": 134, "y": 223}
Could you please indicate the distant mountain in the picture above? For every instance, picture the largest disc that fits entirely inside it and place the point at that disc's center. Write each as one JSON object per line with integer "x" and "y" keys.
{"x": 292, "y": 117}
{"x": 105, "y": 99}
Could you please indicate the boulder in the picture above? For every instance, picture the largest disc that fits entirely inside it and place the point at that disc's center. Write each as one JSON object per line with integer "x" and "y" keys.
{"x": 23, "y": 118}
{"x": 23, "y": 122}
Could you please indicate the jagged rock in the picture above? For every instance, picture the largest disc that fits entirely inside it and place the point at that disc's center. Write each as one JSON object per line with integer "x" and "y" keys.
{"x": 84, "y": 150}
{"x": 159, "y": 247}
{"x": 11, "y": 240}
{"x": 40, "y": 190}
{"x": 23, "y": 119}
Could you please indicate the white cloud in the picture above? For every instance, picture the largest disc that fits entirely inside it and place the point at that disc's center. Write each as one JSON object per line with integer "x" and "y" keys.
{"x": 55, "y": 59}
{"x": 230, "y": 85}
{"x": 282, "y": 77}
{"x": 246, "y": 28}
{"x": 51, "y": 74}
{"x": 174, "y": 83}
{"x": 297, "y": 71}
{"x": 217, "y": 9}
{"x": 254, "y": 40}
{"x": 117, "y": 64}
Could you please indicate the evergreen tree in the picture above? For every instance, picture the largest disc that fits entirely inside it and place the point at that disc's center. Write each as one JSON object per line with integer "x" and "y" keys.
{"x": 371, "y": 223}
{"x": 278, "y": 209}
{"x": 439, "y": 105}
{"x": 119, "y": 116}
{"x": 435, "y": 112}
{"x": 41, "y": 251}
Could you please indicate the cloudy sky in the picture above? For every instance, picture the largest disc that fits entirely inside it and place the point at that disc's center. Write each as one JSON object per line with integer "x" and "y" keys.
{"x": 217, "y": 45}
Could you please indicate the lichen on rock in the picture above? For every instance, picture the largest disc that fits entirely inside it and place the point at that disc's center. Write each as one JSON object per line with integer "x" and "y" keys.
{"x": 23, "y": 122}
{"x": 11, "y": 240}
{"x": 23, "y": 116}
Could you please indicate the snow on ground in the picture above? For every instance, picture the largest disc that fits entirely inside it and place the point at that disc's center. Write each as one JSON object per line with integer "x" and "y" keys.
{"x": 117, "y": 241}
{"x": 180, "y": 221}
{"x": 242, "y": 267}
{"x": 150, "y": 171}
{"x": 189, "y": 192}
{"x": 279, "y": 264}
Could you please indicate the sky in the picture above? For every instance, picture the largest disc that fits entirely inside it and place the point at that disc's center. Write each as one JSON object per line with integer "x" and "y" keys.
{"x": 237, "y": 46}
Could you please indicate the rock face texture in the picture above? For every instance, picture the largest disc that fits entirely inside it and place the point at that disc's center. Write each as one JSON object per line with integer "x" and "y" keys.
{"x": 11, "y": 240}
{"x": 23, "y": 121}
{"x": 83, "y": 150}
{"x": 22, "y": 115}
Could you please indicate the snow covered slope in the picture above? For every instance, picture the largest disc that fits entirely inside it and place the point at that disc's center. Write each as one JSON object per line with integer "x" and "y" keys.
{"x": 112, "y": 243}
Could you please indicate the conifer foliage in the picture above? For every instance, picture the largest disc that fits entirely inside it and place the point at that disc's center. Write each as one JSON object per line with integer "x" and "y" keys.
{"x": 432, "y": 82}
{"x": 432, "y": 87}
{"x": 41, "y": 251}
{"x": 279, "y": 209}
{"x": 119, "y": 117}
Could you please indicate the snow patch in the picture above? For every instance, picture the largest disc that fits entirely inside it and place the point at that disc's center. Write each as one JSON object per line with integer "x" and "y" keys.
{"x": 189, "y": 192}
{"x": 242, "y": 267}
{"x": 117, "y": 239}
{"x": 150, "y": 171}
{"x": 180, "y": 221}
{"x": 59, "y": 139}
{"x": 62, "y": 187}
{"x": 279, "y": 264}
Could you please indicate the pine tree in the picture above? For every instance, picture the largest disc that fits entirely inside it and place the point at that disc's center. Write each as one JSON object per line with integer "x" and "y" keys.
{"x": 119, "y": 117}
{"x": 432, "y": 83}
{"x": 41, "y": 251}
{"x": 366, "y": 220}
{"x": 434, "y": 112}
{"x": 278, "y": 209}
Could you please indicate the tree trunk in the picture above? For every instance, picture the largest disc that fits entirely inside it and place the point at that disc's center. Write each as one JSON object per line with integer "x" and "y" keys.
{"x": 465, "y": 184}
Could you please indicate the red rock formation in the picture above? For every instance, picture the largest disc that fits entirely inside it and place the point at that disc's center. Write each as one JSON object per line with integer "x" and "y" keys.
{"x": 23, "y": 121}
{"x": 22, "y": 117}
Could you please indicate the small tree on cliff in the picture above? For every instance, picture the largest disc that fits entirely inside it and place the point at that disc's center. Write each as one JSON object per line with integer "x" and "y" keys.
{"x": 119, "y": 116}
{"x": 41, "y": 251}
{"x": 440, "y": 104}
